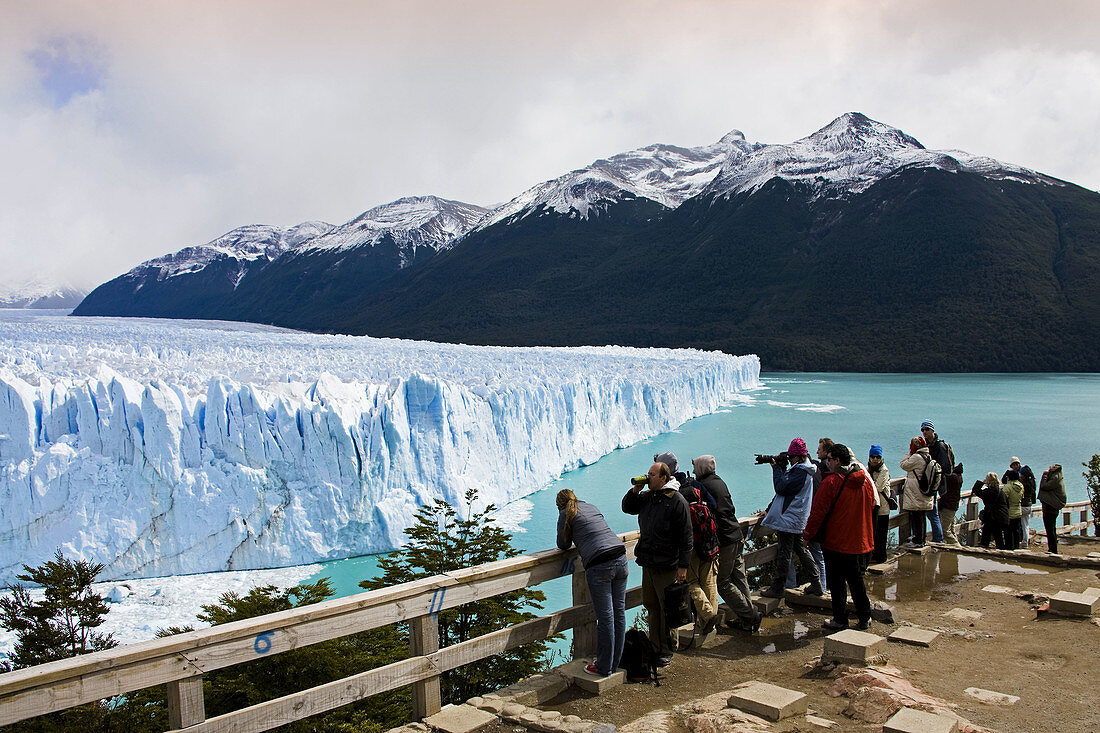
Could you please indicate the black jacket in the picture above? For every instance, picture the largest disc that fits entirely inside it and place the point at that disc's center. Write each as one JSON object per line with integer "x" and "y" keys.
{"x": 665, "y": 522}
{"x": 942, "y": 454}
{"x": 725, "y": 516}
{"x": 996, "y": 503}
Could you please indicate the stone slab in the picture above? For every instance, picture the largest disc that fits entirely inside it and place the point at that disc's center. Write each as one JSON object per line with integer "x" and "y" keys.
{"x": 574, "y": 672}
{"x": 1094, "y": 592}
{"x": 460, "y": 719}
{"x": 534, "y": 690}
{"x": 765, "y": 605}
{"x": 820, "y": 722}
{"x": 880, "y": 568}
{"x": 769, "y": 701}
{"x": 999, "y": 589}
{"x": 989, "y": 697}
{"x": 922, "y": 550}
{"x": 908, "y": 720}
{"x": 1064, "y": 603}
{"x": 851, "y": 646}
{"x": 913, "y": 635}
{"x": 963, "y": 614}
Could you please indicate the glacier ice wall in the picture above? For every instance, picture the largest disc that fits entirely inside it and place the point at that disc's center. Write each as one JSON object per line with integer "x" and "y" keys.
{"x": 162, "y": 448}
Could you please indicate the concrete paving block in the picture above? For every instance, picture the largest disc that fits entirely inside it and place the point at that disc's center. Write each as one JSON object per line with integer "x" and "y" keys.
{"x": 913, "y": 635}
{"x": 799, "y": 597}
{"x": 908, "y": 720}
{"x": 989, "y": 697}
{"x": 854, "y": 647}
{"x": 922, "y": 550}
{"x": 765, "y": 605}
{"x": 820, "y": 722}
{"x": 963, "y": 614}
{"x": 1094, "y": 592}
{"x": 460, "y": 719}
{"x": 999, "y": 589}
{"x": 574, "y": 672}
{"x": 769, "y": 701}
{"x": 880, "y": 568}
{"x": 1076, "y": 605}
{"x": 689, "y": 638}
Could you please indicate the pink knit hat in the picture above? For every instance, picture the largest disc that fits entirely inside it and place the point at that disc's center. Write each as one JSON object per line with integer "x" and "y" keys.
{"x": 798, "y": 448}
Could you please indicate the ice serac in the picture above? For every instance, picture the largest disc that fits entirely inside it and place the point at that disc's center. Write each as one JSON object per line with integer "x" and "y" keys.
{"x": 182, "y": 447}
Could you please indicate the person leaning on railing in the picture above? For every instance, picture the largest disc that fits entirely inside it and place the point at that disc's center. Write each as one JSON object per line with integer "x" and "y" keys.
{"x": 604, "y": 557}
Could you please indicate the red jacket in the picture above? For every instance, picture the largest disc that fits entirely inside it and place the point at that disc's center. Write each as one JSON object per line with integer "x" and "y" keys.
{"x": 850, "y": 526}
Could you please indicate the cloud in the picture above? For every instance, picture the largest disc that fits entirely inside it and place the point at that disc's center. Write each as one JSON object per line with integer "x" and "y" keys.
{"x": 134, "y": 129}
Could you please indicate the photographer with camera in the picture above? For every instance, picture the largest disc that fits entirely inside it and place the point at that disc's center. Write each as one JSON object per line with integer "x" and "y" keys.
{"x": 664, "y": 546}
{"x": 787, "y": 515}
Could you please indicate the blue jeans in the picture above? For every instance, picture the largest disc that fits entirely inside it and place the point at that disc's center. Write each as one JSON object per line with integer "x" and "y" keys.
{"x": 607, "y": 586}
{"x": 819, "y": 563}
{"x": 934, "y": 520}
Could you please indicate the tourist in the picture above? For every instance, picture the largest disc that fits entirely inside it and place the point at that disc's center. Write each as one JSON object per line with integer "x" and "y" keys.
{"x": 823, "y": 446}
{"x": 949, "y": 499}
{"x": 664, "y": 547}
{"x": 1052, "y": 497}
{"x": 915, "y": 503}
{"x": 787, "y": 515}
{"x": 603, "y": 555}
{"x": 1027, "y": 478}
{"x": 702, "y": 575}
{"x": 731, "y": 580}
{"x": 995, "y": 515}
{"x": 880, "y": 477}
{"x": 941, "y": 453}
{"x": 844, "y": 505}
{"x": 1014, "y": 490}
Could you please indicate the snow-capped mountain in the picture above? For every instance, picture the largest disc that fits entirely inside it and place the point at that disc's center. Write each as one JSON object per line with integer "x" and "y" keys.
{"x": 246, "y": 244}
{"x": 847, "y": 156}
{"x": 666, "y": 174}
{"x": 412, "y": 222}
{"x": 40, "y": 293}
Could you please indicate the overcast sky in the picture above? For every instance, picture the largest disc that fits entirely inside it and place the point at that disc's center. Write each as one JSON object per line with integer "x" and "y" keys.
{"x": 133, "y": 129}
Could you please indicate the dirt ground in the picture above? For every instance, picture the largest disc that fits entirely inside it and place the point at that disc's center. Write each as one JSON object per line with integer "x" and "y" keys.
{"x": 1050, "y": 663}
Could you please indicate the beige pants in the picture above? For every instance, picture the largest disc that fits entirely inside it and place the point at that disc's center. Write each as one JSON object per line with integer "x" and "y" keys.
{"x": 703, "y": 581}
{"x": 947, "y": 521}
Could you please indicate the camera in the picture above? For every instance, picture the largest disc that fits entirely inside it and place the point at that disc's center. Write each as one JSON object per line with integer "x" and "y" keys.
{"x": 779, "y": 459}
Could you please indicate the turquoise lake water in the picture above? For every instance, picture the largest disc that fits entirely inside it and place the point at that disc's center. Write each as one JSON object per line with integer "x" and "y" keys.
{"x": 987, "y": 418}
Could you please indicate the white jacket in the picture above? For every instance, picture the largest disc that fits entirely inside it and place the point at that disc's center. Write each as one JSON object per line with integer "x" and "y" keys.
{"x": 912, "y": 499}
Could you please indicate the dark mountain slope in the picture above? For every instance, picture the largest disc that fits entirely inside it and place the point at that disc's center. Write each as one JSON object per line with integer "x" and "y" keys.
{"x": 926, "y": 270}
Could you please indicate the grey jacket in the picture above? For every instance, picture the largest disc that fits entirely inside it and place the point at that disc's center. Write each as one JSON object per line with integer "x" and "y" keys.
{"x": 591, "y": 534}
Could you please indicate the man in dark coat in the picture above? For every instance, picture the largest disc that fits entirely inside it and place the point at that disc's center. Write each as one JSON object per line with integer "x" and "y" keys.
{"x": 733, "y": 584}
{"x": 664, "y": 546}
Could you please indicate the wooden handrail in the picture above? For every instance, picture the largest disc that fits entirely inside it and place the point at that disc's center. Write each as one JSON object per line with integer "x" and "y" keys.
{"x": 179, "y": 661}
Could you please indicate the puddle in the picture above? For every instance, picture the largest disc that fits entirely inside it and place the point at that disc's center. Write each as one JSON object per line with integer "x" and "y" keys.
{"x": 783, "y": 634}
{"x": 926, "y": 577}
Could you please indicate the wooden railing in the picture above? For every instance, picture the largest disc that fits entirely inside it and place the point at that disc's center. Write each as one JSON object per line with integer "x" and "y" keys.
{"x": 180, "y": 661}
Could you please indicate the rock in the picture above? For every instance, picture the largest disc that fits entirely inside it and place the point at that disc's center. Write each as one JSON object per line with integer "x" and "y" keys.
{"x": 991, "y": 698}
{"x": 963, "y": 614}
{"x": 999, "y": 589}
{"x": 460, "y": 719}
{"x": 882, "y": 612}
{"x": 874, "y": 704}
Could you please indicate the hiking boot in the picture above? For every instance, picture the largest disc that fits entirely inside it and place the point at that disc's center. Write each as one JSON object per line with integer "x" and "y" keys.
{"x": 772, "y": 592}
{"x": 753, "y": 626}
{"x": 834, "y": 625}
{"x": 864, "y": 624}
{"x": 664, "y": 660}
{"x": 815, "y": 589}
{"x": 709, "y": 625}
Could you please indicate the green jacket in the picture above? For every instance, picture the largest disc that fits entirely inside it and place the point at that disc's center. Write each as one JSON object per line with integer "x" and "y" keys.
{"x": 1014, "y": 490}
{"x": 1052, "y": 489}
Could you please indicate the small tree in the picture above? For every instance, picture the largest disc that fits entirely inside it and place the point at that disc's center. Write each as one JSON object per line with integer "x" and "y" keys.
{"x": 1092, "y": 486}
{"x": 63, "y": 623}
{"x": 440, "y": 542}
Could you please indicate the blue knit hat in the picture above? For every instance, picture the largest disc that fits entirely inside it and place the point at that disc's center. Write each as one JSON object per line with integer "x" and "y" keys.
{"x": 876, "y": 450}
{"x": 927, "y": 425}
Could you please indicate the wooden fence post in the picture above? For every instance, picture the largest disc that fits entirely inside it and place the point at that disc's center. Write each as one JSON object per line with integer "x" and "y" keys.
{"x": 972, "y": 533}
{"x": 903, "y": 528}
{"x": 423, "y": 640}
{"x": 1085, "y": 519}
{"x": 185, "y": 702}
{"x": 584, "y": 635}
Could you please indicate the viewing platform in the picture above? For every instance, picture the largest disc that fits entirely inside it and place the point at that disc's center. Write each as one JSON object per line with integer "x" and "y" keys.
{"x": 962, "y": 639}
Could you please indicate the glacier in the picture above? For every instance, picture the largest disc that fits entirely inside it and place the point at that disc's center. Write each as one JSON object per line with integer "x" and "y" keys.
{"x": 162, "y": 447}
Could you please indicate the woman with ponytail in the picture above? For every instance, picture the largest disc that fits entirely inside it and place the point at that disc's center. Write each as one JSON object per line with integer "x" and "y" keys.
{"x": 603, "y": 555}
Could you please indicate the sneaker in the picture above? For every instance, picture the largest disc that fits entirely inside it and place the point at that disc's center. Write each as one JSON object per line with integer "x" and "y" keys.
{"x": 591, "y": 669}
{"x": 814, "y": 589}
{"x": 772, "y": 593}
{"x": 864, "y": 624}
{"x": 664, "y": 660}
{"x": 834, "y": 625}
{"x": 910, "y": 545}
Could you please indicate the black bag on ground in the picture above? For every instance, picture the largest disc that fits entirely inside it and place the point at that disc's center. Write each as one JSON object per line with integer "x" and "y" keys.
{"x": 678, "y": 610}
{"x": 639, "y": 658}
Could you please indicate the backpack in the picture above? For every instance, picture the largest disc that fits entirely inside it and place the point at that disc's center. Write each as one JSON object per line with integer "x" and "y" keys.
{"x": 704, "y": 530}
{"x": 928, "y": 480}
{"x": 1027, "y": 478}
{"x": 639, "y": 659}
